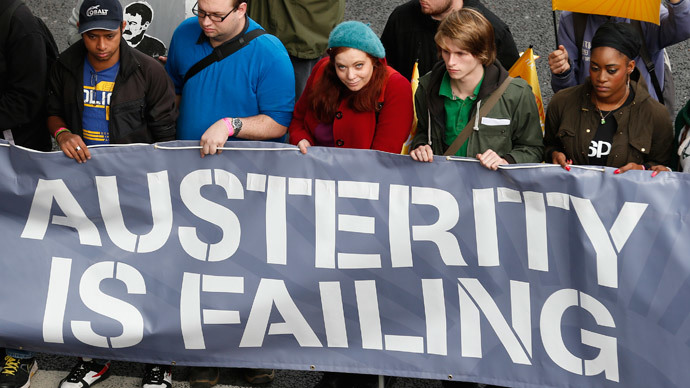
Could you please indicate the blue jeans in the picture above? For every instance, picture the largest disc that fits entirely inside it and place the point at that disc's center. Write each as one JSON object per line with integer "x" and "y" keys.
{"x": 20, "y": 354}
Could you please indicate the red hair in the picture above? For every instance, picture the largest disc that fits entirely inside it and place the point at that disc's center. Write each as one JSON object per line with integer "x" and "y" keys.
{"x": 329, "y": 90}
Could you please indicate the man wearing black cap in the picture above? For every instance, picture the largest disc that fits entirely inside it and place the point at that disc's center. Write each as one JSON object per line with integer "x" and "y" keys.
{"x": 101, "y": 91}
{"x": 99, "y": 86}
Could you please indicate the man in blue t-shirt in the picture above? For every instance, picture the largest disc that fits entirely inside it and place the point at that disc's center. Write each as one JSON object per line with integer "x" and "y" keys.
{"x": 101, "y": 91}
{"x": 247, "y": 95}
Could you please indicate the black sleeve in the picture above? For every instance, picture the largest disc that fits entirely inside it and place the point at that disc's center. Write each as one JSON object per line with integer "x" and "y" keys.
{"x": 389, "y": 38}
{"x": 56, "y": 89}
{"x": 161, "y": 115}
{"x": 552, "y": 123}
{"x": 23, "y": 87}
{"x": 421, "y": 136}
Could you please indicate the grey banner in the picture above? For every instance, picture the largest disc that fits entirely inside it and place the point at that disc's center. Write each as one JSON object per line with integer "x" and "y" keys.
{"x": 348, "y": 260}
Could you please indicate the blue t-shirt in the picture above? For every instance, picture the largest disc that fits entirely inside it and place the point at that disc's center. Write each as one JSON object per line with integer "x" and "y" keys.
{"x": 258, "y": 79}
{"x": 98, "y": 90}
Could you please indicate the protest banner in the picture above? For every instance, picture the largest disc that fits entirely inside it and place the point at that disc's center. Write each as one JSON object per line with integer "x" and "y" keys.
{"x": 348, "y": 260}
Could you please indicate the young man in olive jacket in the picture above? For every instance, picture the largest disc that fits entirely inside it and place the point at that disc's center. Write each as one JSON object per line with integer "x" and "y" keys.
{"x": 450, "y": 96}
{"x": 101, "y": 91}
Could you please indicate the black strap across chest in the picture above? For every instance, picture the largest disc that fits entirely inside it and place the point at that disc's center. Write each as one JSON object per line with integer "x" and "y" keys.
{"x": 221, "y": 52}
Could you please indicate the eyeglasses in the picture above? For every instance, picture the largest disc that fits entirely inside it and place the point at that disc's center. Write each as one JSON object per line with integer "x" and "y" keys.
{"x": 214, "y": 18}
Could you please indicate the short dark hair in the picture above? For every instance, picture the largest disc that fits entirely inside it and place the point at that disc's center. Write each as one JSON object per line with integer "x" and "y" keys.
{"x": 140, "y": 8}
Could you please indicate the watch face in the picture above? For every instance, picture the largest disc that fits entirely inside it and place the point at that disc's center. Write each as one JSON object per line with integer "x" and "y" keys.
{"x": 237, "y": 124}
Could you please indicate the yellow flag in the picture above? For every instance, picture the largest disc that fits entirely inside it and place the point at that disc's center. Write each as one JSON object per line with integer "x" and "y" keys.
{"x": 526, "y": 69}
{"x": 643, "y": 10}
{"x": 414, "y": 83}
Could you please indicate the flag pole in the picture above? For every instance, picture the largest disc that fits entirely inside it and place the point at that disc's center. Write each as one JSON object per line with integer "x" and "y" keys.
{"x": 555, "y": 27}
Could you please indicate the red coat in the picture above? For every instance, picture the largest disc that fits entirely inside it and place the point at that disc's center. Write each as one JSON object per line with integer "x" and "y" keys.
{"x": 359, "y": 129}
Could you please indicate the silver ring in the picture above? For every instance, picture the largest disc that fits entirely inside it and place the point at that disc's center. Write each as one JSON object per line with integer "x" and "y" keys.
{"x": 78, "y": 148}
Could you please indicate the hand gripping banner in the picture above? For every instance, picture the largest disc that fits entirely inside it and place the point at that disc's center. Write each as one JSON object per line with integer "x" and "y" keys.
{"x": 348, "y": 260}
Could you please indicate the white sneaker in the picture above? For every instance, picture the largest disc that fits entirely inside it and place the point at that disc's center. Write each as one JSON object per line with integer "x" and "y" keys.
{"x": 157, "y": 376}
{"x": 85, "y": 374}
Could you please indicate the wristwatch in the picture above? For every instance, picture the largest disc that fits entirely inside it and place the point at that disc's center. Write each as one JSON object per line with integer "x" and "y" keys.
{"x": 236, "y": 126}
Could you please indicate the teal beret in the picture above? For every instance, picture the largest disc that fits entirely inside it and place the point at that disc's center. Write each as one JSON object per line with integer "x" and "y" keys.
{"x": 356, "y": 35}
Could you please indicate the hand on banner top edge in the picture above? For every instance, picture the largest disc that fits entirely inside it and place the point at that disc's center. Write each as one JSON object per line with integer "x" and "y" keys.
{"x": 628, "y": 167}
{"x": 558, "y": 157}
{"x": 491, "y": 160}
{"x": 303, "y": 145}
{"x": 660, "y": 168}
{"x": 634, "y": 166}
{"x": 423, "y": 153}
{"x": 73, "y": 147}
{"x": 214, "y": 138}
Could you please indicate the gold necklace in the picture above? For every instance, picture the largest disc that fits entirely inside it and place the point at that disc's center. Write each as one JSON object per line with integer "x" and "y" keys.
{"x": 603, "y": 117}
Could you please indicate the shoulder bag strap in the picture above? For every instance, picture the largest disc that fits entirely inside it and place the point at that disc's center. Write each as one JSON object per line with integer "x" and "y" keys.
{"x": 483, "y": 111}
{"x": 644, "y": 54}
{"x": 221, "y": 52}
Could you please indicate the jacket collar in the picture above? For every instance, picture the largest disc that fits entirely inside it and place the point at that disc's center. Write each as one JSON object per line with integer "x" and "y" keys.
{"x": 494, "y": 75}
{"x": 73, "y": 58}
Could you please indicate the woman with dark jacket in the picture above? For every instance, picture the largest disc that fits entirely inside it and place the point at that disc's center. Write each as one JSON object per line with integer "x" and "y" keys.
{"x": 352, "y": 98}
{"x": 451, "y": 95}
{"x": 610, "y": 120}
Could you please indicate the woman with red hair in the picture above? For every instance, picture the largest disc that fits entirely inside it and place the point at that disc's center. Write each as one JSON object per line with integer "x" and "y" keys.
{"x": 352, "y": 98}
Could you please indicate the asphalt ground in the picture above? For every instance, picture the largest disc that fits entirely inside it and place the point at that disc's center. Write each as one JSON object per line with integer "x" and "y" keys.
{"x": 531, "y": 23}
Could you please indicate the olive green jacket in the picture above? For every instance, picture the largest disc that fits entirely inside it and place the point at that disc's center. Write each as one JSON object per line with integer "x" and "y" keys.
{"x": 511, "y": 128}
{"x": 302, "y": 25}
{"x": 644, "y": 135}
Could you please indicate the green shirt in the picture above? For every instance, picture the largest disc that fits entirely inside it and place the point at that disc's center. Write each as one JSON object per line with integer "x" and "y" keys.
{"x": 457, "y": 112}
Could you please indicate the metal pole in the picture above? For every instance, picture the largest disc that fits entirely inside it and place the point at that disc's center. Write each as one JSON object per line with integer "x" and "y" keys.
{"x": 555, "y": 28}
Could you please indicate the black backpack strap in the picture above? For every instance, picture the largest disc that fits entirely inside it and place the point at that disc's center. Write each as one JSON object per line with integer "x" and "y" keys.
{"x": 5, "y": 19}
{"x": 579, "y": 23}
{"x": 221, "y": 52}
{"x": 644, "y": 54}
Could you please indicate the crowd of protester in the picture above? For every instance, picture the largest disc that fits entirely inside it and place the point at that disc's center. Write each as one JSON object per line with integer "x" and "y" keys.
{"x": 297, "y": 73}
